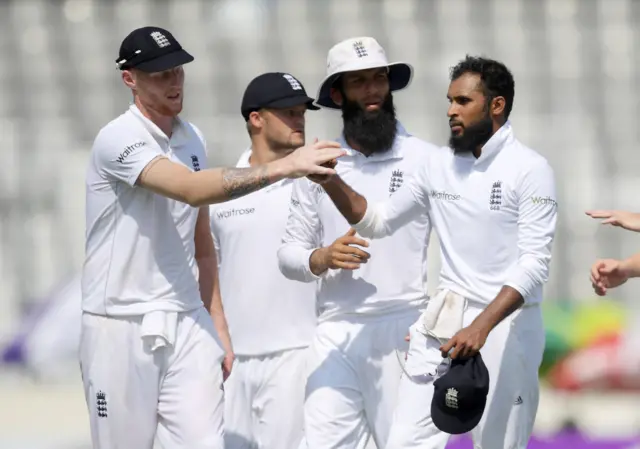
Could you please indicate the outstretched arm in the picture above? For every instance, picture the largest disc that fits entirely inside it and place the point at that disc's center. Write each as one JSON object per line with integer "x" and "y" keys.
{"x": 381, "y": 219}
{"x": 221, "y": 184}
{"x": 140, "y": 162}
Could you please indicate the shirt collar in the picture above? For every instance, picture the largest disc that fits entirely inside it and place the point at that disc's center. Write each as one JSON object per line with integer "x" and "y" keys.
{"x": 243, "y": 162}
{"x": 396, "y": 151}
{"x": 178, "y": 136}
{"x": 500, "y": 139}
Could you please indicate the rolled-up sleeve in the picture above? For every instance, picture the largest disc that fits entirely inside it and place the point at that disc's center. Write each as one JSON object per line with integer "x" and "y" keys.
{"x": 384, "y": 218}
{"x": 303, "y": 233}
{"x": 536, "y": 231}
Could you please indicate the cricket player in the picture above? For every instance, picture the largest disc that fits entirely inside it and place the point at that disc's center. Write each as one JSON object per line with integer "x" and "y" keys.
{"x": 492, "y": 202}
{"x": 149, "y": 354}
{"x": 271, "y": 318}
{"x": 369, "y": 294}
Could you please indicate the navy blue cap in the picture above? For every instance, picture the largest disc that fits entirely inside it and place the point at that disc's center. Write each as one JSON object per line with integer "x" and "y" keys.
{"x": 460, "y": 396}
{"x": 275, "y": 90}
{"x": 151, "y": 49}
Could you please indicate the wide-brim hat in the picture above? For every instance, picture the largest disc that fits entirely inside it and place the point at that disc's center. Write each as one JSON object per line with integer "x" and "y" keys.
{"x": 360, "y": 53}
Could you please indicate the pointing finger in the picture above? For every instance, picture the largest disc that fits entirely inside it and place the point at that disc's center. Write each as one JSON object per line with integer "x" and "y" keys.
{"x": 600, "y": 213}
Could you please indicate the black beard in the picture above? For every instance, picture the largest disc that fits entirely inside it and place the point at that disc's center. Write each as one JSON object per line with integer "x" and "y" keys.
{"x": 373, "y": 132}
{"x": 472, "y": 137}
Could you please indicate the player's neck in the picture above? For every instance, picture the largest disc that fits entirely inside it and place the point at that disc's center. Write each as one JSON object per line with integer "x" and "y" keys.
{"x": 164, "y": 122}
{"x": 261, "y": 153}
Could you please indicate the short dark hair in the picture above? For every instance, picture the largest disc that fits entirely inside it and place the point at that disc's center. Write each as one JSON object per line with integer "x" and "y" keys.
{"x": 497, "y": 80}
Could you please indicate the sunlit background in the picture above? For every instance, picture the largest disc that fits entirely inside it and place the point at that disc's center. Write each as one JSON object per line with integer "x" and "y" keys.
{"x": 577, "y": 70}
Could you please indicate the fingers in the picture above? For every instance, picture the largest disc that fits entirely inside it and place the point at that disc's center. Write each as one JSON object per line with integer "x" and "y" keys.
{"x": 327, "y": 154}
{"x": 343, "y": 248}
{"x": 350, "y": 233}
{"x": 407, "y": 337}
{"x": 353, "y": 241}
{"x": 445, "y": 348}
{"x": 612, "y": 221}
{"x": 595, "y": 271}
{"x": 352, "y": 257}
{"x": 319, "y": 170}
{"x": 600, "y": 213}
{"x": 319, "y": 144}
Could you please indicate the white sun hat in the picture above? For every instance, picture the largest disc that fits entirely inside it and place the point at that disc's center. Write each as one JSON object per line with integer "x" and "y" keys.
{"x": 360, "y": 53}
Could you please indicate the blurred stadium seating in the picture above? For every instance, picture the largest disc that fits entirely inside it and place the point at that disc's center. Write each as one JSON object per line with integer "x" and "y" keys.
{"x": 576, "y": 65}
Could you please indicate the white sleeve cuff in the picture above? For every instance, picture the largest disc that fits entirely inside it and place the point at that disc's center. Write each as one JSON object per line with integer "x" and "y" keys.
{"x": 372, "y": 224}
{"x": 521, "y": 281}
{"x": 294, "y": 263}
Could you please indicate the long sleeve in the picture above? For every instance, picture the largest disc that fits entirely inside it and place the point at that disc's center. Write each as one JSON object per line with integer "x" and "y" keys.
{"x": 536, "y": 230}
{"x": 302, "y": 235}
{"x": 385, "y": 218}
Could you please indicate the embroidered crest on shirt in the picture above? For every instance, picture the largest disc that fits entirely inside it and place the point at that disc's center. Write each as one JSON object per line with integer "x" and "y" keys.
{"x": 101, "y": 404}
{"x": 195, "y": 162}
{"x": 495, "y": 200}
{"x": 396, "y": 181}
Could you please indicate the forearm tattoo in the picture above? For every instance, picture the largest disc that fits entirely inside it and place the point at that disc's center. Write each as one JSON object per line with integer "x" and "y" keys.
{"x": 238, "y": 182}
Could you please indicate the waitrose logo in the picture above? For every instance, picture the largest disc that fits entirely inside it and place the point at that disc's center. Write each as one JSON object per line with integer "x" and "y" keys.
{"x": 234, "y": 212}
{"x": 543, "y": 200}
{"x": 442, "y": 195}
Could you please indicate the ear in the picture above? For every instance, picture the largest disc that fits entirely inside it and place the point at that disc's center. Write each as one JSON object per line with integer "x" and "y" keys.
{"x": 256, "y": 120}
{"x": 129, "y": 79}
{"x": 497, "y": 106}
{"x": 336, "y": 96}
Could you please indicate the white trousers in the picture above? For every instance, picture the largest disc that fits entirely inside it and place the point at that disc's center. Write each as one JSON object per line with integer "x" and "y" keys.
{"x": 355, "y": 370}
{"x": 512, "y": 354}
{"x": 135, "y": 395}
{"x": 264, "y": 399}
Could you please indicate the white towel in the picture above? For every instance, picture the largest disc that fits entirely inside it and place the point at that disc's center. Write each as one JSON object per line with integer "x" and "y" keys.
{"x": 443, "y": 315}
{"x": 159, "y": 328}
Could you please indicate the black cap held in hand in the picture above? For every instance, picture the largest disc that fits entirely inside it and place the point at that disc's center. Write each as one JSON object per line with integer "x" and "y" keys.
{"x": 151, "y": 49}
{"x": 276, "y": 90}
{"x": 460, "y": 396}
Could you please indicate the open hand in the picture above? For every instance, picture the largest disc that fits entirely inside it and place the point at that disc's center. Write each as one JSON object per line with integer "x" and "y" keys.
{"x": 318, "y": 158}
{"x": 606, "y": 274}
{"x": 621, "y": 218}
{"x": 467, "y": 342}
{"x": 321, "y": 179}
{"x": 342, "y": 254}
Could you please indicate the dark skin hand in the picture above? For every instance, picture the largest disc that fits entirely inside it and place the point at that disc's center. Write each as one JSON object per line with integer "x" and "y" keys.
{"x": 468, "y": 341}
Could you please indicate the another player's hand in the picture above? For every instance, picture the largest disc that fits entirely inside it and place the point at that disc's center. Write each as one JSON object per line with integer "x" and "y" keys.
{"x": 227, "y": 365}
{"x": 321, "y": 179}
{"x": 621, "y": 218}
{"x": 467, "y": 342}
{"x": 606, "y": 274}
{"x": 342, "y": 254}
{"x": 311, "y": 159}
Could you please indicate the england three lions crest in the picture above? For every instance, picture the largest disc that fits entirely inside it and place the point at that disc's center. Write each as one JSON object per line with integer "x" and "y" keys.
{"x": 397, "y": 177}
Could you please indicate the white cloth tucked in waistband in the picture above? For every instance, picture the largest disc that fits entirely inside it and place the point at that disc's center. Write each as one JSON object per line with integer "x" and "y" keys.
{"x": 159, "y": 328}
{"x": 444, "y": 314}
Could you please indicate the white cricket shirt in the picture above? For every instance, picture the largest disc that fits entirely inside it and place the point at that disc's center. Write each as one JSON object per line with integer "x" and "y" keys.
{"x": 265, "y": 311}
{"x": 139, "y": 245}
{"x": 495, "y": 217}
{"x": 395, "y": 277}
